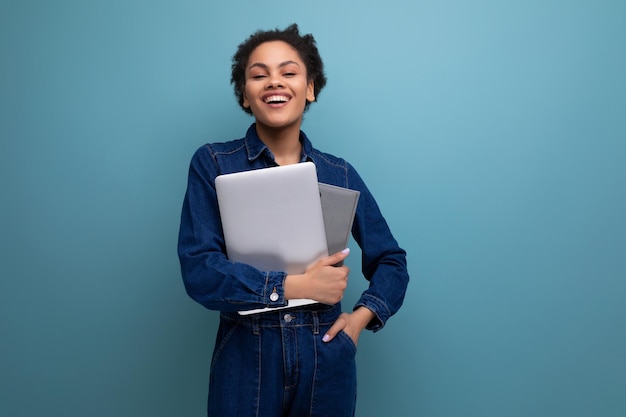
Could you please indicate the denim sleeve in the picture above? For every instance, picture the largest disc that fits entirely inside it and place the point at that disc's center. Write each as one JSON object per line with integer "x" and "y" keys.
{"x": 383, "y": 261}
{"x": 209, "y": 277}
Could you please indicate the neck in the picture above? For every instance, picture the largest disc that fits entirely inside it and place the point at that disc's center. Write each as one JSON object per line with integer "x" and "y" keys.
{"x": 284, "y": 142}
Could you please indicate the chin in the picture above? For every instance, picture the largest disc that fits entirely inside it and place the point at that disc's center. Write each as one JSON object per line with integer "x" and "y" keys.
{"x": 278, "y": 124}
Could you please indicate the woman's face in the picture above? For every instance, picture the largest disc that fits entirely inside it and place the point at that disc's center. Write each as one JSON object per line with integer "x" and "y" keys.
{"x": 277, "y": 89}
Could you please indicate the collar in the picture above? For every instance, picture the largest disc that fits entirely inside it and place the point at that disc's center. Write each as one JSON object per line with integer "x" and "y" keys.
{"x": 255, "y": 146}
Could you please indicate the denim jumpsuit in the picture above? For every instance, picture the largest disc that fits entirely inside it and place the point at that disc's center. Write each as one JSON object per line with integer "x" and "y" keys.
{"x": 275, "y": 364}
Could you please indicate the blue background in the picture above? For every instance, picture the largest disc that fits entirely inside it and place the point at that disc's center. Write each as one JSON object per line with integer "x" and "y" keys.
{"x": 493, "y": 134}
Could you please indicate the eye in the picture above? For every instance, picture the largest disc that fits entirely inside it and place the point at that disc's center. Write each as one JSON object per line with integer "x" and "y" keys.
{"x": 258, "y": 76}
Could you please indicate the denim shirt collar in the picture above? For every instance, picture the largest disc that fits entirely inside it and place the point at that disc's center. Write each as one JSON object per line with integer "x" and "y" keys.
{"x": 255, "y": 146}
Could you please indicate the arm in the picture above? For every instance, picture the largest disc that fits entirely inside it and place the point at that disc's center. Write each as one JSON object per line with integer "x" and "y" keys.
{"x": 383, "y": 261}
{"x": 209, "y": 277}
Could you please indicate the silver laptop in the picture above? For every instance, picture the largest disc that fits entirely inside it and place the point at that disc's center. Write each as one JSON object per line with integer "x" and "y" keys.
{"x": 272, "y": 219}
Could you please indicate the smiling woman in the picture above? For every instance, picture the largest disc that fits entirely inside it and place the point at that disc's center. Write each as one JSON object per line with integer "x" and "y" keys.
{"x": 299, "y": 361}
{"x": 303, "y": 45}
{"x": 277, "y": 91}
{"x": 491, "y": 133}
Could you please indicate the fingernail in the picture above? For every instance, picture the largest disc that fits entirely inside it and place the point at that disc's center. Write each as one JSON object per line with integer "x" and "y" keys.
{"x": 346, "y": 250}
{"x": 326, "y": 338}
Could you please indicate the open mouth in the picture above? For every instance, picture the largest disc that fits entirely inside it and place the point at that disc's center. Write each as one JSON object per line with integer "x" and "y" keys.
{"x": 276, "y": 99}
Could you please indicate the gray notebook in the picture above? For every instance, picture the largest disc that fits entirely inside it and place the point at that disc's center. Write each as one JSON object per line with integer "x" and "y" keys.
{"x": 338, "y": 207}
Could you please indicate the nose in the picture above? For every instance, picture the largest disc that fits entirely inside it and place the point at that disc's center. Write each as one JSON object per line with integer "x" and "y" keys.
{"x": 274, "y": 83}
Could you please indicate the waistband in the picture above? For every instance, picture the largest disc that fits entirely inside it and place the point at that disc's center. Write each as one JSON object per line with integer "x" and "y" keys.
{"x": 317, "y": 314}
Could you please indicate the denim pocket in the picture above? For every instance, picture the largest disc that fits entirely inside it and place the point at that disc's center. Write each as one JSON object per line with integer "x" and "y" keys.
{"x": 335, "y": 377}
{"x": 234, "y": 371}
{"x": 224, "y": 333}
{"x": 346, "y": 339}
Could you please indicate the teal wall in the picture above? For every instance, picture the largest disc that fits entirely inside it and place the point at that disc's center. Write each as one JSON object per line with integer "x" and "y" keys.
{"x": 493, "y": 134}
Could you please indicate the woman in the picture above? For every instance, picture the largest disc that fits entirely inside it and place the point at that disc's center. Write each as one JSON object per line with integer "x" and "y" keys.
{"x": 288, "y": 362}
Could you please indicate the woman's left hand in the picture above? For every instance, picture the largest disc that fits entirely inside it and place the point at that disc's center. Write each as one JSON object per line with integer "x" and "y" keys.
{"x": 351, "y": 323}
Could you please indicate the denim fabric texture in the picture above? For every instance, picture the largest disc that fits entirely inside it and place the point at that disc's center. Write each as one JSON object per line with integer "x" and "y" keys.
{"x": 218, "y": 284}
{"x": 275, "y": 363}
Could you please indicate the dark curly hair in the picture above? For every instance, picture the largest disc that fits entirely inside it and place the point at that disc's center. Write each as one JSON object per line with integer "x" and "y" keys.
{"x": 303, "y": 44}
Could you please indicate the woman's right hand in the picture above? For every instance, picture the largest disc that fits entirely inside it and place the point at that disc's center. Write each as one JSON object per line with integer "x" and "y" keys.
{"x": 321, "y": 281}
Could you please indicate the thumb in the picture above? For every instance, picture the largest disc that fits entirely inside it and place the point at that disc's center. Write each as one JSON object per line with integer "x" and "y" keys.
{"x": 337, "y": 258}
{"x": 338, "y": 326}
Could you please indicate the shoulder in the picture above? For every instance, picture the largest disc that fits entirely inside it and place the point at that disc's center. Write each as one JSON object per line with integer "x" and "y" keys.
{"x": 335, "y": 170}
{"x": 214, "y": 150}
{"x": 327, "y": 158}
{"x": 211, "y": 158}
{"x": 228, "y": 147}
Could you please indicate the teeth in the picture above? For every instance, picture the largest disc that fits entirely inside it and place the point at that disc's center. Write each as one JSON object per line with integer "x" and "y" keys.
{"x": 276, "y": 99}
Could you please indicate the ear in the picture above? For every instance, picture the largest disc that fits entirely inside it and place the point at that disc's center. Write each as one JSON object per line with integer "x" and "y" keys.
{"x": 245, "y": 103}
{"x": 310, "y": 92}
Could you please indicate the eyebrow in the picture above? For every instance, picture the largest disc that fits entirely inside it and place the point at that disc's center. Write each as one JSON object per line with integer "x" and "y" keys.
{"x": 265, "y": 67}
